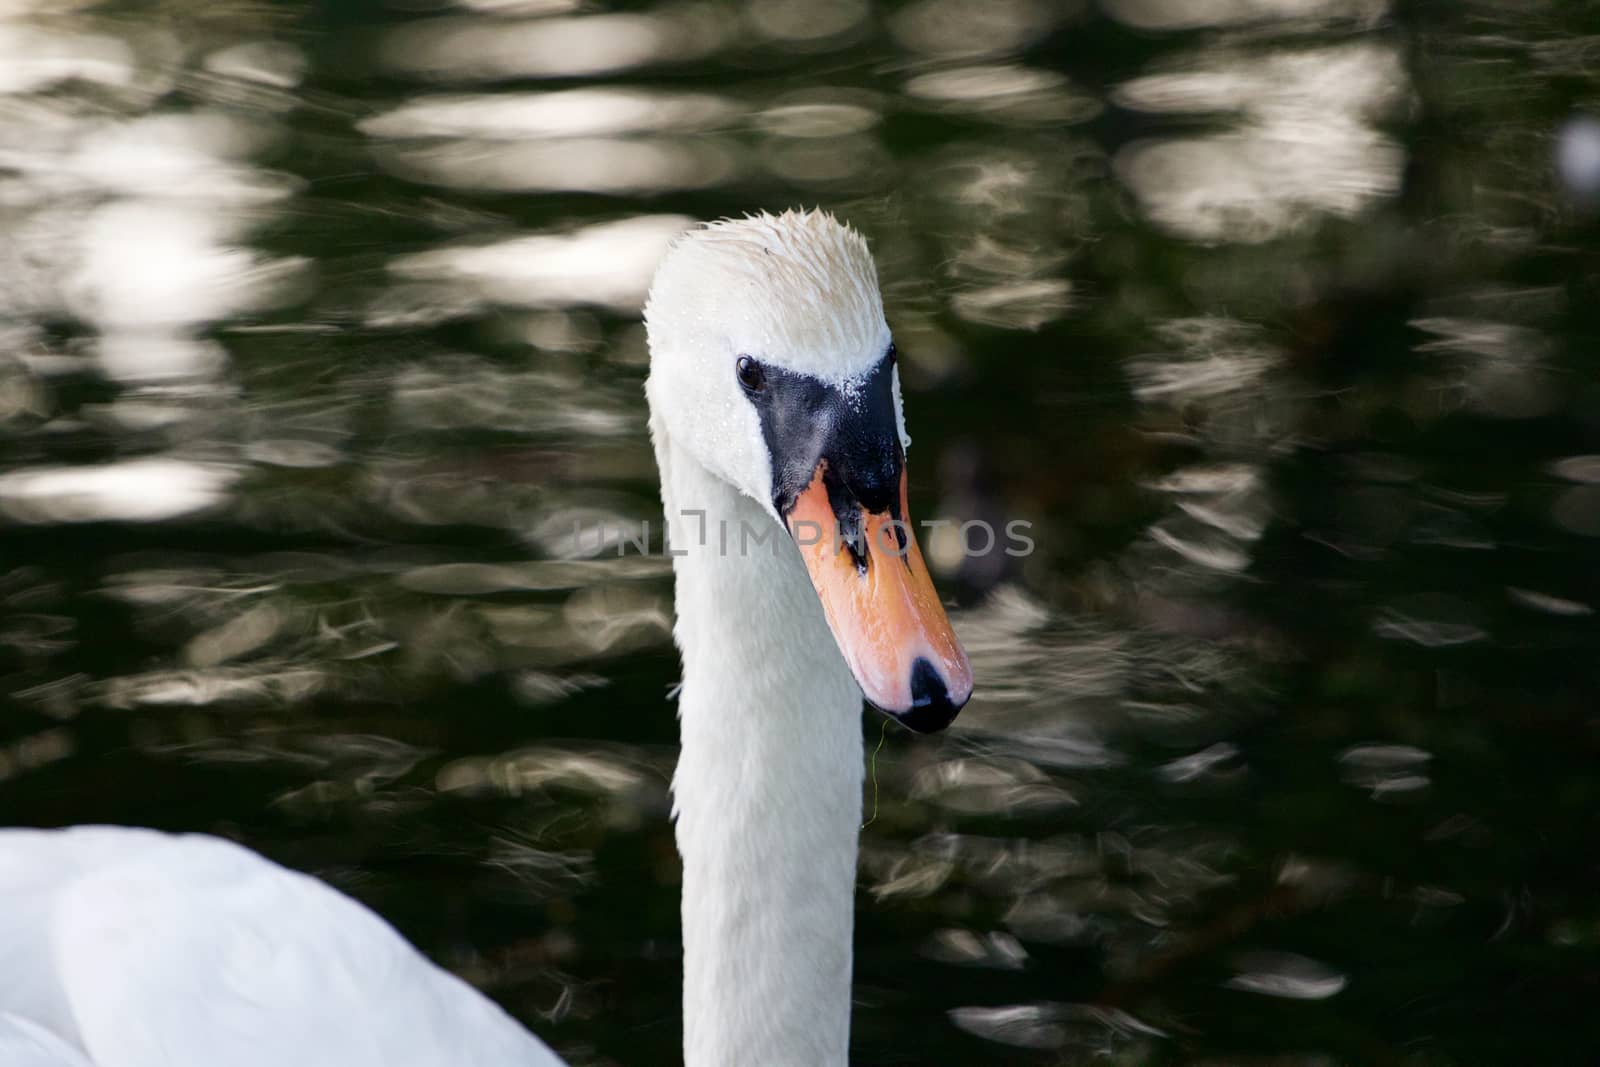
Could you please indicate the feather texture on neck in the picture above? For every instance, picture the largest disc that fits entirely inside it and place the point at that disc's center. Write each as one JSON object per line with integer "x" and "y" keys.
{"x": 767, "y": 794}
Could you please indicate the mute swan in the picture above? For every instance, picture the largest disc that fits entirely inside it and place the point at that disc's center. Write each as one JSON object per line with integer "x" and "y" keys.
{"x": 774, "y": 404}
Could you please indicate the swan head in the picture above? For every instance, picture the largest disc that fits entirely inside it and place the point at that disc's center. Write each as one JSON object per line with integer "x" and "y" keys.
{"x": 771, "y": 364}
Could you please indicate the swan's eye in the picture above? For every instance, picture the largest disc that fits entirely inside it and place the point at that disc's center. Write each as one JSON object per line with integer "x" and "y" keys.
{"x": 751, "y": 376}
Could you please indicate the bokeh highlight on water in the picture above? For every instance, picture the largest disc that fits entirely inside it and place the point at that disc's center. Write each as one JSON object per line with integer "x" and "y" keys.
{"x": 1277, "y": 318}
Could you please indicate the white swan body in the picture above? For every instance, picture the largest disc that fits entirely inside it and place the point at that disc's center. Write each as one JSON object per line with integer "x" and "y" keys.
{"x": 133, "y": 948}
{"x": 774, "y": 408}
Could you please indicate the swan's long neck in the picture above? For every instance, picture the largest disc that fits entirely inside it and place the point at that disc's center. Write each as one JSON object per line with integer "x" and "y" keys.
{"x": 767, "y": 791}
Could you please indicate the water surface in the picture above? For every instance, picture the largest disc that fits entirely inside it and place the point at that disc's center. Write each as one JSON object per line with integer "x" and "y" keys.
{"x": 1276, "y": 318}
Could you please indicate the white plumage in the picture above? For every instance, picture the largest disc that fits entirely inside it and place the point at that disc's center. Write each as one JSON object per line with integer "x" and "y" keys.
{"x": 768, "y": 788}
{"x": 132, "y": 948}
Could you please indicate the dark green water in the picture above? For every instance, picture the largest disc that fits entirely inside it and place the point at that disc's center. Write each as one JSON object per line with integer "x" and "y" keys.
{"x": 1276, "y": 318}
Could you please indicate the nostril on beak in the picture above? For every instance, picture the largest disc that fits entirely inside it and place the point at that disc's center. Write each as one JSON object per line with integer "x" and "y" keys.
{"x": 931, "y": 706}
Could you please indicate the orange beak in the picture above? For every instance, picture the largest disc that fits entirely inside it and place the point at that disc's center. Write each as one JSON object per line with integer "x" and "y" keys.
{"x": 881, "y": 606}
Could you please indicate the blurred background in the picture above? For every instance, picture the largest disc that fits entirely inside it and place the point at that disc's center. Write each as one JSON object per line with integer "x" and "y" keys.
{"x": 1278, "y": 319}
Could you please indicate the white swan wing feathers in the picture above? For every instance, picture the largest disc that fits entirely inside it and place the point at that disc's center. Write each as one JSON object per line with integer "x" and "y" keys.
{"x": 151, "y": 950}
{"x": 27, "y": 1044}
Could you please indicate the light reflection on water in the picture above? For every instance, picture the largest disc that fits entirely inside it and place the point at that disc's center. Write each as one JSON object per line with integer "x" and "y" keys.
{"x": 1307, "y": 143}
{"x": 489, "y": 49}
{"x": 308, "y": 381}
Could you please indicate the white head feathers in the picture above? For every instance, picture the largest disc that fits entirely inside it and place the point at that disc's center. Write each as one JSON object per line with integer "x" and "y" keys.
{"x": 798, "y": 290}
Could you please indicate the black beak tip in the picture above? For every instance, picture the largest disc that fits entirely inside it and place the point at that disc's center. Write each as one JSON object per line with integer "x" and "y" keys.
{"x": 931, "y": 709}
